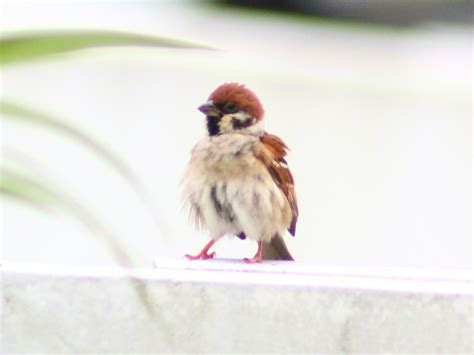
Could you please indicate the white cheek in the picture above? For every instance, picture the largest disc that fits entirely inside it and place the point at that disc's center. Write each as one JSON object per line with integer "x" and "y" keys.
{"x": 225, "y": 123}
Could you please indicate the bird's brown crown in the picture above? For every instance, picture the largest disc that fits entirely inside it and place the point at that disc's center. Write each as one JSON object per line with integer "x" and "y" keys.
{"x": 244, "y": 98}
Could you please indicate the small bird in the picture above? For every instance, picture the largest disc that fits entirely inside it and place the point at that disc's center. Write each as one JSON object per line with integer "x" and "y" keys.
{"x": 237, "y": 180}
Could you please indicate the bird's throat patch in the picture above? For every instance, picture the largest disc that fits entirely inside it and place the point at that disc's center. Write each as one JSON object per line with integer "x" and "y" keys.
{"x": 213, "y": 125}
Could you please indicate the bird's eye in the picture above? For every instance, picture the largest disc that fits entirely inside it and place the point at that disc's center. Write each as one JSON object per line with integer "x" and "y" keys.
{"x": 230, "y": 106}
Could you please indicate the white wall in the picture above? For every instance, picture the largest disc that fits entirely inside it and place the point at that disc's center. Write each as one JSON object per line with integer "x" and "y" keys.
{"x": 231, "y": 308}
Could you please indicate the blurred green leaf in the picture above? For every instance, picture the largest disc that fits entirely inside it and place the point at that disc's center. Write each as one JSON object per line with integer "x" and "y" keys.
{"x": 29, "y": 46}
{"x": 13, "y": 111}
{"x": 36, "y": 193}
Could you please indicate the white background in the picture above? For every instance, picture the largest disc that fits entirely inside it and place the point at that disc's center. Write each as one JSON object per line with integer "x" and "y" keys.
{"x": 378, "y": 121}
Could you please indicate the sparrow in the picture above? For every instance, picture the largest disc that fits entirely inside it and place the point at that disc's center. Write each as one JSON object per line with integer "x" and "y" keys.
{"x": 237, "y": 181}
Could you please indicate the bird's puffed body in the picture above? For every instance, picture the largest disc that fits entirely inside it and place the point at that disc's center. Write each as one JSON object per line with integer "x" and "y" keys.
{"x": 229, "y": 190}
{"x": 237, "y": 181}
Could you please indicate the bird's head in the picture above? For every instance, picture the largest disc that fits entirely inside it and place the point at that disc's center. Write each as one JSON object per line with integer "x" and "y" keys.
{"x": 233, "y": 108}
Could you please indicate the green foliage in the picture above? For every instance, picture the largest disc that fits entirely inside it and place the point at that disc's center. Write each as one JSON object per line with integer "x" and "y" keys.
{"x": 30, "y": 46}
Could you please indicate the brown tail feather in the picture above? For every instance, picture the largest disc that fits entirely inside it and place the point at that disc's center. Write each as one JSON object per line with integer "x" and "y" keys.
{"x": 276, "y": 249}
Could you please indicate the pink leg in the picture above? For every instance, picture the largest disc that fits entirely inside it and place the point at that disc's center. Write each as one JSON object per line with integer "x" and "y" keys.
{"x": 258, "y": 256}
{"x": 203, "y": 255}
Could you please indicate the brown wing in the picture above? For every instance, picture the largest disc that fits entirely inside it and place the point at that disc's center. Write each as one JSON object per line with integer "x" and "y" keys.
{"x": 272, "y": 155}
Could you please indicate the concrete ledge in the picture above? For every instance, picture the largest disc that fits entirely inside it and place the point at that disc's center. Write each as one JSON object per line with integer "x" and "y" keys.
{"x": 226, "y": 306}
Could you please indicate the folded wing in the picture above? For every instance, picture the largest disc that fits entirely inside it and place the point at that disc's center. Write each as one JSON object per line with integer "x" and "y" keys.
{"x": 272, "y": 155}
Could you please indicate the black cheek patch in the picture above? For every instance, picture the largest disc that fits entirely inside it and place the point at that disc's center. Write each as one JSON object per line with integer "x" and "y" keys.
{"x": 238, "y": 124}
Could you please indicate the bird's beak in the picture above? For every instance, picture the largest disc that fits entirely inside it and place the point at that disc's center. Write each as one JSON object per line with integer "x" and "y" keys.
{"x": 209, "y": 109}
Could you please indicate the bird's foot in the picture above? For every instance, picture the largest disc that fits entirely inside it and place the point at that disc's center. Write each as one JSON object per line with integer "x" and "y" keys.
{"x": 255, "y": 260}
{"x": 258, "y": 257}
{"x": 201, "y": 256}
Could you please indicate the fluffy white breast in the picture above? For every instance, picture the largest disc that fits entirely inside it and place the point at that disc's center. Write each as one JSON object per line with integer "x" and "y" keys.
{"x": 230, "y": 191}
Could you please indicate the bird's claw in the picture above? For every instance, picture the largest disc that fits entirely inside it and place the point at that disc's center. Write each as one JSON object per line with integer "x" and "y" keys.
{"x": 201, "y": 256}
{"x": 254, "y": 260}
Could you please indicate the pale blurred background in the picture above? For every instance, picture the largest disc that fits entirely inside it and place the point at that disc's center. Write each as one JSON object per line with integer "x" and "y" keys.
{"x": 374, "y": 101}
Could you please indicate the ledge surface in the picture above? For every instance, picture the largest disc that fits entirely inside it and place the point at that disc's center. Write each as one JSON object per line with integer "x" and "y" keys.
{"x": 227, "y": 306}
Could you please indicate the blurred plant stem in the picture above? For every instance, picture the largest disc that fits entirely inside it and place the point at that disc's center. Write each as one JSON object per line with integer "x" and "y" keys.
{"x": 40, "y": 195}
{"x": 10, "y": 110}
